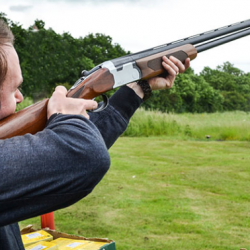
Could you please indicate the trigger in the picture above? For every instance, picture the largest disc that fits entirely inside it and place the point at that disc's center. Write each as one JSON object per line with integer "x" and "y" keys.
{"x": 101, "y": 105}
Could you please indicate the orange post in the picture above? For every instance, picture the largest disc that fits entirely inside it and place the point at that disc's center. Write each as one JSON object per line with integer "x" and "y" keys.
{"x": 47, "y": 220}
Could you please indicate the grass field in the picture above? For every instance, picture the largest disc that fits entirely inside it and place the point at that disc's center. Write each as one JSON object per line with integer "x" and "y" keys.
{"x": 163, "y": 193}
{"x": 219, "y": 126}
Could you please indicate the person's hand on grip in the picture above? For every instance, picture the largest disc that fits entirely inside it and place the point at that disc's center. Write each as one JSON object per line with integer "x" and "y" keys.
{"x": 59, "y": 103}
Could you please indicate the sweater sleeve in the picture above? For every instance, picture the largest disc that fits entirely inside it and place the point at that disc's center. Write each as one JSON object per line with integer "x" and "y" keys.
{"x": 113, "y": 120}
{"x": 51, "y": 169}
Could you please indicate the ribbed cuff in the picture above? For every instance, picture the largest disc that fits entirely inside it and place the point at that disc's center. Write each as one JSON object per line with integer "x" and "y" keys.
{"x": 51, "y": 118}
{"x": 126, "y": 101}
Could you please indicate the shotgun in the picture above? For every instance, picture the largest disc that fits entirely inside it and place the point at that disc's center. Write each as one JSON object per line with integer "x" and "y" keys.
{"x": 120, "y": 71}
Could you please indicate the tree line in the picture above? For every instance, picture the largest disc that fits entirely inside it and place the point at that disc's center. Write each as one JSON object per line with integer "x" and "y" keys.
{"x": 225, "y": 88}
{"x": 48, "y": 59}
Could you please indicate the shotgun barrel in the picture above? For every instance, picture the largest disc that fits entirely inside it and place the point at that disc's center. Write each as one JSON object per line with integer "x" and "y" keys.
{"x": 194, "y": 40}
{"x": 223, "y": 40}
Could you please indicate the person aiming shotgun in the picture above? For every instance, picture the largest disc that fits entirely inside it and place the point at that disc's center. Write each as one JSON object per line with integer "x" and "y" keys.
{"x": 63, "y": 163}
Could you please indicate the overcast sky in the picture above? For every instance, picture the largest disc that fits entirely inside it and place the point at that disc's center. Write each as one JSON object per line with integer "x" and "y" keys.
{"x": 140, "y": 24}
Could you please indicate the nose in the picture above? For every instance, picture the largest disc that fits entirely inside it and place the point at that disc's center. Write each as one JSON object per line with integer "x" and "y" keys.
{"x": 19, "y": 96}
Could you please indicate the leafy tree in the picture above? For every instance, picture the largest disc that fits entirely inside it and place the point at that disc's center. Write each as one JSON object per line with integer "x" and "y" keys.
{"x": 190, "y": 93}
{"x": 47, "y": 58}
{"x": 99, "y": 48}
{"x": 209, "y": 99}
{"x": 233, "y": 84}
{"x": 39, "y": 24}
{"x": 218, "y": 79}
{"x": 4, "y": 17}
{"x": 227, "y": 67}
{"x": 234, "y": 101}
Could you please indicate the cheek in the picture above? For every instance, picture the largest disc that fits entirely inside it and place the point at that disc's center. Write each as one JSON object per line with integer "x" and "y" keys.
{"x": 10, "y": 109}
{"x": 8, "y": 106}
{"x": 12, "y": 104}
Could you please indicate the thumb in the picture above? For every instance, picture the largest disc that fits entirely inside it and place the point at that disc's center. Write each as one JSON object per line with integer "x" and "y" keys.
{"x": 61, "y": 90}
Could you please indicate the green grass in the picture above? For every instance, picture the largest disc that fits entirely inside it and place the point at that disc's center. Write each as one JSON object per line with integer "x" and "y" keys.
{"x": 163, "y": 193}
{"x": 220, "y": 126}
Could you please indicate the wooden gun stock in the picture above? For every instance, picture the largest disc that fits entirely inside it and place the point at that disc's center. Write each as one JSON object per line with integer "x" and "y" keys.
{"x": 29, "y": 120}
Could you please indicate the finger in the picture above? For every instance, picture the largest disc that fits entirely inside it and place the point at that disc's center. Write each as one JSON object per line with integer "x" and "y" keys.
{"x": 61, "y": 89}
{"x": 172, "y": 70}
{"x": 168, "y": 82}
{"x": 187, "y": 63}
{"x": 89, "y": 104}
{"x": 171, "y": 63}
{"x": 178, "y": 63}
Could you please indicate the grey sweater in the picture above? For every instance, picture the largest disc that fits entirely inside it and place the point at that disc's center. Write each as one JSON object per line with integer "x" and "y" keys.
{"x": 58, "y": 166}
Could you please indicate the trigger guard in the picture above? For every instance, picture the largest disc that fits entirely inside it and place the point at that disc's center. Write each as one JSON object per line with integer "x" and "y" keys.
{"x": 101, "y": 105}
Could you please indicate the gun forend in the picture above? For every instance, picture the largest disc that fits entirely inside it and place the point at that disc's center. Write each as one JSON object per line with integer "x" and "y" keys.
{"x": 152, "y": 65}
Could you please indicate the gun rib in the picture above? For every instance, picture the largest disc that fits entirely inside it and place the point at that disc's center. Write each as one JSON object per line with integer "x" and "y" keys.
{"x": 205, "y": 36}
{"x": 223, "y": 40}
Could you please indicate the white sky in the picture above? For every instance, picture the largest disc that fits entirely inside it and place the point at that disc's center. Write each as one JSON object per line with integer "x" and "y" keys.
{"x": 141, "y": 24}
